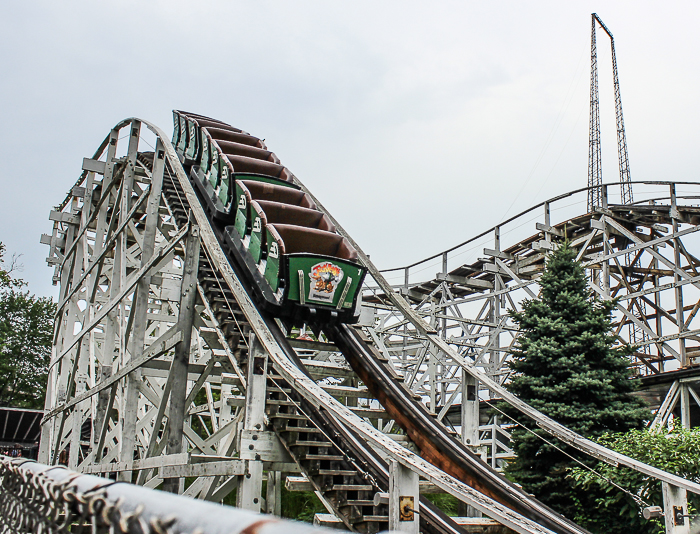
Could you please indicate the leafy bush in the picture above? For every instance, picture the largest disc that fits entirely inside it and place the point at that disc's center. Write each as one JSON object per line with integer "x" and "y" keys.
{"x": 445, "y": 502}
{"x": 617, "y": 512}
{"x": 301, "y": 505}
{"x": 26, "y": 333}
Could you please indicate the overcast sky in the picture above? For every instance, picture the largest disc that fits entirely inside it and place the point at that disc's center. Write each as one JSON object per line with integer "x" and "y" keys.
{"x": 418, "y": 124}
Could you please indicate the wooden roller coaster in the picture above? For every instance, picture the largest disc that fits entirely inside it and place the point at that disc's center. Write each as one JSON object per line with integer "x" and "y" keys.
{"x": 180, "y": 356}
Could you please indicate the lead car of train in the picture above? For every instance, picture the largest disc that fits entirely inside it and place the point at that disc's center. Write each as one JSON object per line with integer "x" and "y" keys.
{"x": 298, "y": 265}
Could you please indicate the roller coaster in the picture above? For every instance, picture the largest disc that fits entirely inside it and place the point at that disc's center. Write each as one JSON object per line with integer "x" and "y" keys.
{"x": 190, "y": 344}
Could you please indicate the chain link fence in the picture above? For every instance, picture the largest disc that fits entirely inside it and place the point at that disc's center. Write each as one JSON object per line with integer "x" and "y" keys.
{"x": 37, "y": 498}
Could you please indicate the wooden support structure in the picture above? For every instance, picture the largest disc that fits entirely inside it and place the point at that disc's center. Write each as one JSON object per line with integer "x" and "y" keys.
{"x": 161, "y": 355}
{"x": 180, "y": 364}
{"x": 404, "y": 499}
{"x": 249, "y": 494}
{"x": 675, "y": 509}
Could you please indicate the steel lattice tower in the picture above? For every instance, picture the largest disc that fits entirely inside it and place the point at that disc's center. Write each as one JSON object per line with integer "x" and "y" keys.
{"x": 595, "y": 171}
{"x": 594, "y": 159}
{"x": 637, "y": 335}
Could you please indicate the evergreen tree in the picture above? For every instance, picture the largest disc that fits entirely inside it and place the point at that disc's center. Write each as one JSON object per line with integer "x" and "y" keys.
{"x": 565, "y": 367}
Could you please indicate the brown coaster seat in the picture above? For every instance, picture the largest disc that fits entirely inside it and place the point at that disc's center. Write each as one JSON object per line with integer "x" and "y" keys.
{"x": 279, "y": 213}
{"x": 277, "y": 193}
{"x": 246, "y": 165}
{"x": 298, "y": 239}
{"x": 238, "y": 149}
{"x": 207, "y": 123}
{"x": 198, "y": 117}
{"x": 220, "y": 134}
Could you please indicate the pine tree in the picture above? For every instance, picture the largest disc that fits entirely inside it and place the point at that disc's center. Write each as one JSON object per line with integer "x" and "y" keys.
{"x": 564, "y": 366}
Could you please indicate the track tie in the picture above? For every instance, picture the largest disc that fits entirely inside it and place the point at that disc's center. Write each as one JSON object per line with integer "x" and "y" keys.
{"x": 310, "y": 456}
{"x": 334, "y": 472}
{"x": 359, "y": 502}
{"x": 310, "y": 443}
{"x": 352, "y": 487}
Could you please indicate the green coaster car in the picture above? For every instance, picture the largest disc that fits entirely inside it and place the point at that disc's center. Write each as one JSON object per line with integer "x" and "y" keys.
{"x": 297, "y": 265}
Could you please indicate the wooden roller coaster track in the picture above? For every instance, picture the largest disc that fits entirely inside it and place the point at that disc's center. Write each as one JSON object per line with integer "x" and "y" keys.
{"x": 164, "y": 369}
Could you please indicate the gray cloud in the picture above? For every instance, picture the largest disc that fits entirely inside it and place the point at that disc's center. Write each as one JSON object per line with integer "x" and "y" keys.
{"x": 417, "y": 124}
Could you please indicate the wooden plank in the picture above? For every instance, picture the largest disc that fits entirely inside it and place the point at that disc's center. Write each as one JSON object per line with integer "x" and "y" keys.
{"x": 231, "y": 467}
{"x": 323, "y": 369}
{"x": 262, "y": 445}
{"x": 549, "y": 229}
{"x": 63, "y": 217}
{"x": 311, "y": 345}
{"x": 464, "y": 281}
{"x": 93, "y": 165}
{"x": 147, "y": 463}
{"x": 178, "y": 369}
{"x": 498, "y": 254}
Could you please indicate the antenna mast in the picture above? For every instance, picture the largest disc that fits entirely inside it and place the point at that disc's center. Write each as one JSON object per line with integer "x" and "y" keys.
{"x": 594, "y": 160}
{"x": 595, "y": 171}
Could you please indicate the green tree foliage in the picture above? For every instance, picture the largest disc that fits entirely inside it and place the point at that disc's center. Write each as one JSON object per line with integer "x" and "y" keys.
{"x": 6, "y": 279}
{"x": 564, "y": 366}
{"x": 615, "y": 511}
{"x": 301, "y": 505}
{"x": 297, "y": 505}
{"x": 445, "y": 502}
{"x": 25, "y": 341}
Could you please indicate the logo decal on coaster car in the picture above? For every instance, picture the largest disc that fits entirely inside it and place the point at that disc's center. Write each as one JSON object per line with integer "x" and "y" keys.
{"x": 325, "y": 277}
